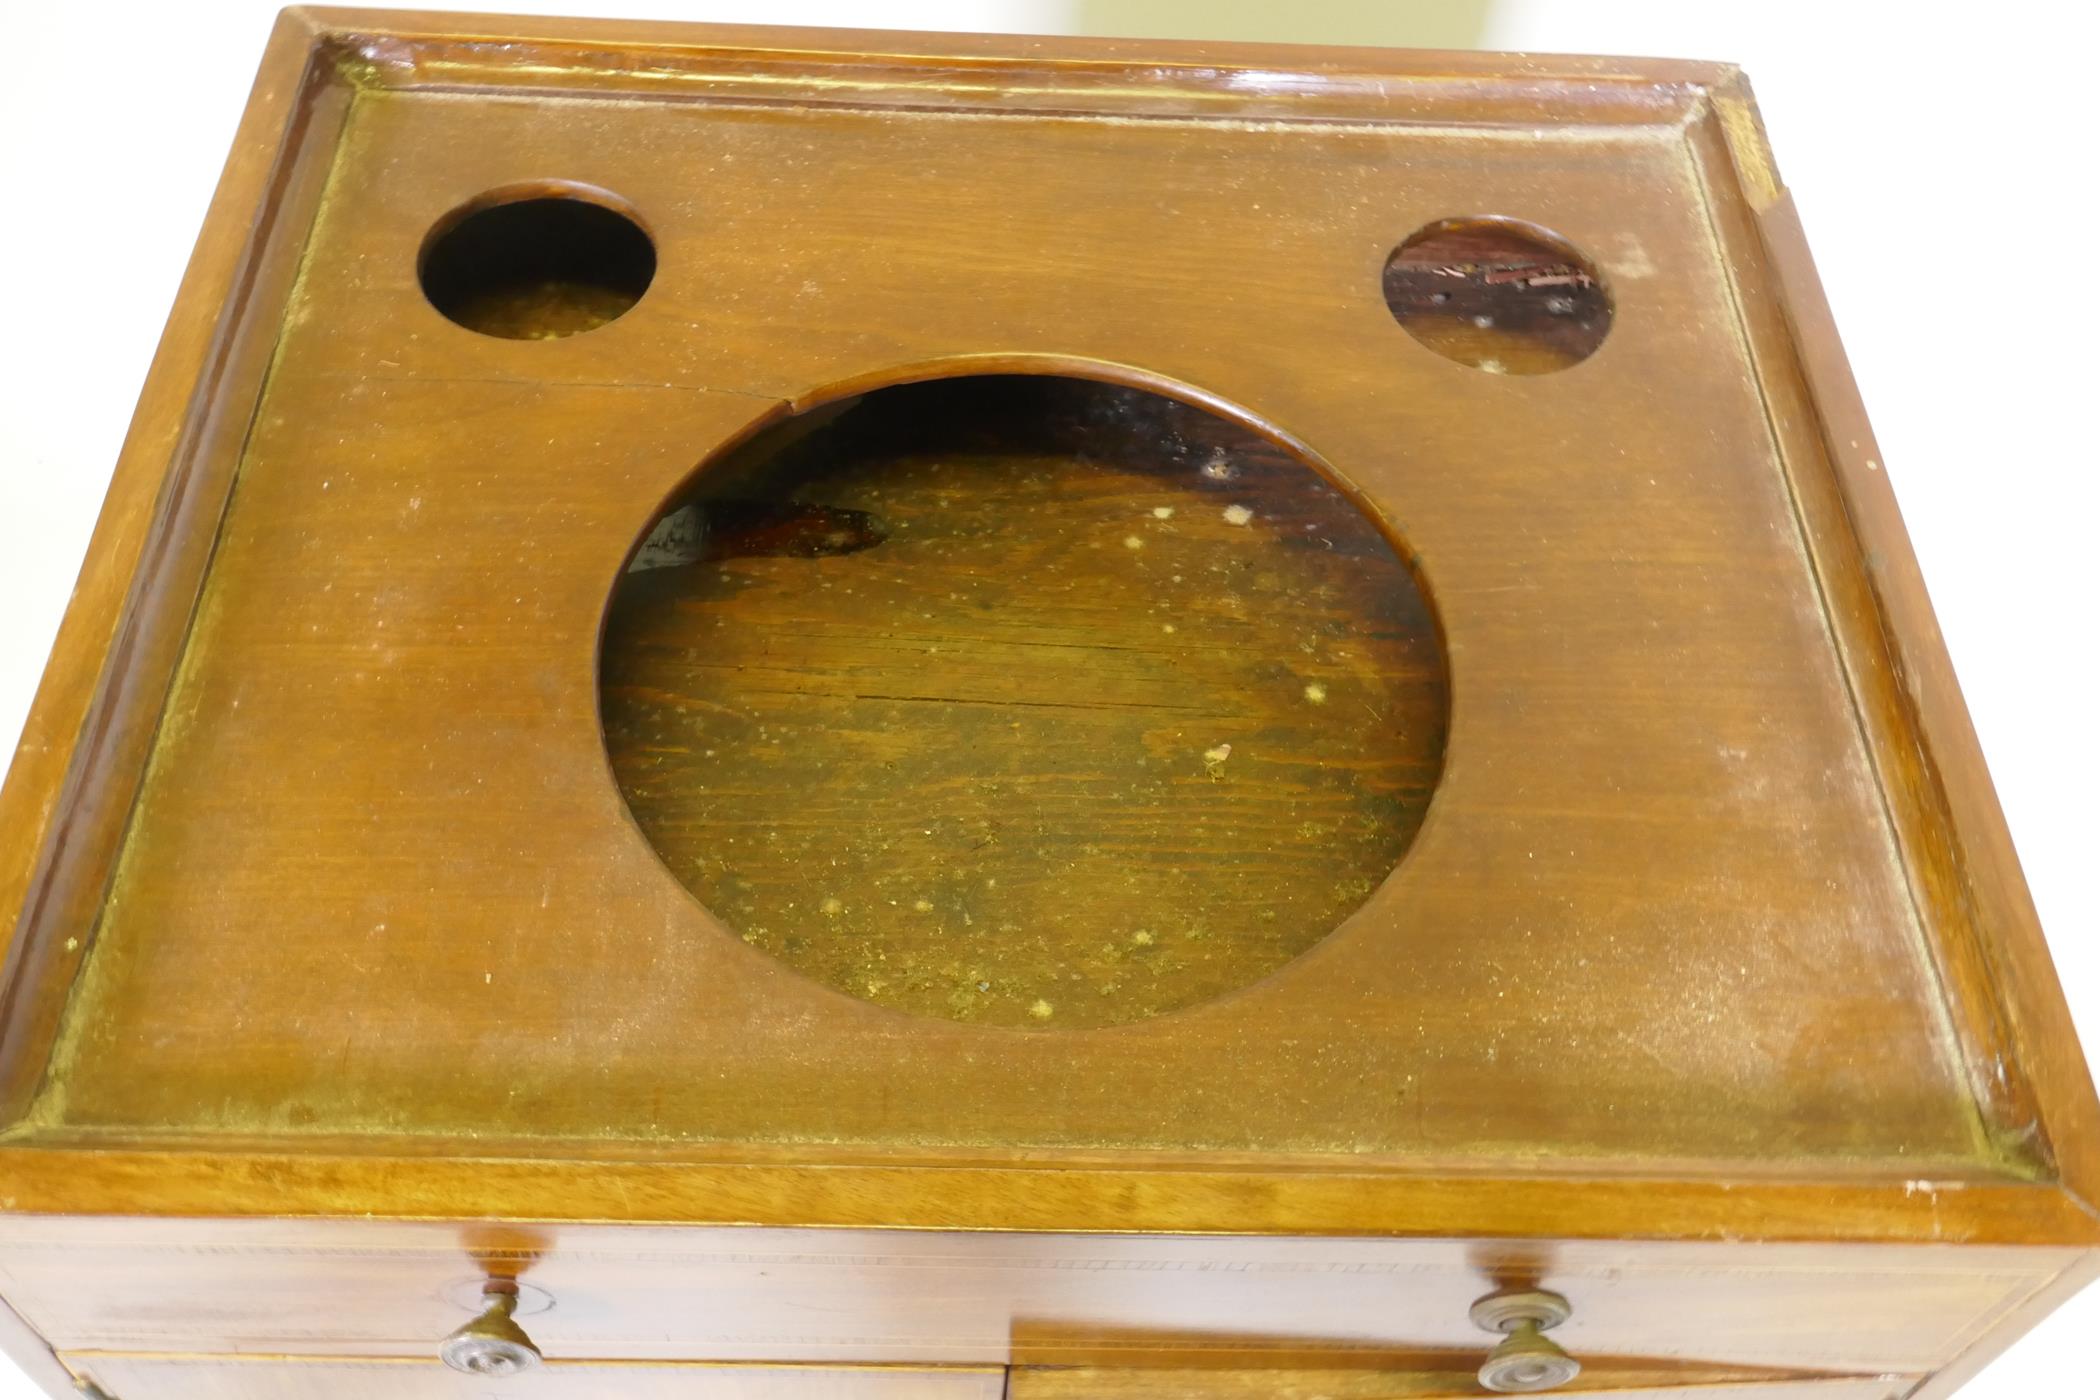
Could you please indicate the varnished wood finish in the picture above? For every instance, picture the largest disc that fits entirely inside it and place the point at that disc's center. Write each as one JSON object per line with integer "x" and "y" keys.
{"x": 272, "y": 1378}
{"x": 285, "y": 1378}
{"x": 1705, "y": 990}
{"x": 1653, "y": 905}
{"x": 350, "y": 1288}
{"x": 1095, "y": 1383}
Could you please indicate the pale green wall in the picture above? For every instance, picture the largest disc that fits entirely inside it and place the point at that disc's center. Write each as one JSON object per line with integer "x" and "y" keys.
{"x": 1415, "y": 24}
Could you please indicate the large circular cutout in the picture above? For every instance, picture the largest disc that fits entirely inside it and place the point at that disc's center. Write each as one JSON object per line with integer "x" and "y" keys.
{"x": 536, "y": 263}
{"x": 1028, "y": 701}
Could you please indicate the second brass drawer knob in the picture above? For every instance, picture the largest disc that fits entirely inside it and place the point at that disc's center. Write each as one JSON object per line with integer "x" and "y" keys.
{"x": 1526, "y": 1359}
{"x": 492, "y": 1344}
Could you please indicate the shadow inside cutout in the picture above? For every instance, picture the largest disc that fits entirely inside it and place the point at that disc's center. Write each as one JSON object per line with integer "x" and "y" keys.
{"x": 536, "y": 268}
{"x": 1025, "y": 701}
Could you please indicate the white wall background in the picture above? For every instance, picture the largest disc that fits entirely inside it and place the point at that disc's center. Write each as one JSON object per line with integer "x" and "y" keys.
{"x": 1942, "y": 160}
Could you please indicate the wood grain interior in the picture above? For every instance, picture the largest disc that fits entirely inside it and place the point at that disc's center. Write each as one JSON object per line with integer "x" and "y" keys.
{"x": 1498, "y": 295}
{"x": 1121, "y": 710}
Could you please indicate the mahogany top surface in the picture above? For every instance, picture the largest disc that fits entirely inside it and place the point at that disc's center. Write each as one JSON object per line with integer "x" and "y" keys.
{"x": 1671, "y": 907}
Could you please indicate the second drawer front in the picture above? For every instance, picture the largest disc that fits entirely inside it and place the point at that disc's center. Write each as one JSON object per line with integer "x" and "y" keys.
{"x": 1087, "y": 1383}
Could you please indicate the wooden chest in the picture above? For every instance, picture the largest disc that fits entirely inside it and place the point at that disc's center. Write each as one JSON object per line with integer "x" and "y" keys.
{"x": 787, "y": 714}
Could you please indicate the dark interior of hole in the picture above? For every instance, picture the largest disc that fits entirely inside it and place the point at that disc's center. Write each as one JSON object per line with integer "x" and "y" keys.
{"x": 538, "y": 268}
{"x": 1023, "y": 701}
{"x": 1499, "y": 297}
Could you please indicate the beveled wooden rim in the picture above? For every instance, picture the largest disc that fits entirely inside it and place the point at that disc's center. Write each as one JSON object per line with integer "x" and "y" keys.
{"x": 65, "y": 804}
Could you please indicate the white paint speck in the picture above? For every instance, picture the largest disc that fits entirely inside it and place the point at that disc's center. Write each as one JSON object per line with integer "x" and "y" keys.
{"x": 1162, "y": 512}
{"x": 1316, "y": 692}
{"x": 1132, "y": 542}
{"x": 1238, "y": 515}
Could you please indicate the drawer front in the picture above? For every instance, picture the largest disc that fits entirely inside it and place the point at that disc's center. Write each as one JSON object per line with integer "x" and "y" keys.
{"x": 840, "y": 1297}
{"x": 1103, "y": 1384}
{"x": 280, "y": 1378}
{"x": 122, "y": 1377}
{"x": 1088, "y": 1383}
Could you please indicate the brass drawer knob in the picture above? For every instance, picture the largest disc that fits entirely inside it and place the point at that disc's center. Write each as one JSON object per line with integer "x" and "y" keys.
{"x": 1525, "y": 1360}
{"x": 492, "y": 1344}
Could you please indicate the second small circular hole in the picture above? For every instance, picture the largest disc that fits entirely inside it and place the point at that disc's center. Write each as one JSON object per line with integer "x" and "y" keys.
{"x": 1499, "y": 295}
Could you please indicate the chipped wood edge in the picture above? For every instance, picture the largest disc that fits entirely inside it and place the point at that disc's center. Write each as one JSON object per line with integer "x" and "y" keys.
{"x": 2015, "y": 1323}
{"x": 1743, "y": 128}
{"x": 22, "y": 1345}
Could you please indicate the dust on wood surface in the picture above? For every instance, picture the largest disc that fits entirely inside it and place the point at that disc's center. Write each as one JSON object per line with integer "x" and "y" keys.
{"x": 1118, "y": 708}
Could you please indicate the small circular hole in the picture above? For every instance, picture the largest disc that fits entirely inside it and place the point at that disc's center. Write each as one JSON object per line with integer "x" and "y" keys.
{"x": 1499, "y": 295}
{"x": 535, "y": 265}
